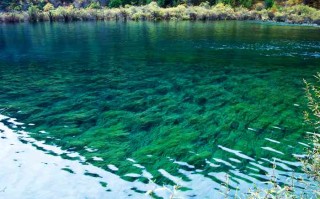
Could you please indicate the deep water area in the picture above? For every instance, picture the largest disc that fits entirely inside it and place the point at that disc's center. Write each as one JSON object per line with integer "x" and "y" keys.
{"x": 173, "y": 102}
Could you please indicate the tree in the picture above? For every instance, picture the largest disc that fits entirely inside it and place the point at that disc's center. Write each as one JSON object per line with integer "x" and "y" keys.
{"x": 9, "y": 4}
{"x": 115, "y": 3}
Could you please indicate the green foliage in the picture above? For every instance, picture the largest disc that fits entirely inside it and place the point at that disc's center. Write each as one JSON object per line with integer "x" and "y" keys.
{"x": 94, "y": 5}
{"x": 17, "y": 8}
{"x": 33, "y": 13}
{"x": 115, "y": 3}
{"x": 12, "y": 17}
{"x": 39, "y": 3}
{"x": 17, "y": 5}
{"x": 269, "y": 3}
{"x": 301, "y": 10}
{"x": 161, "y": 3}
{"x": 246, "y": 3}
{"x": 259, "y": 6}
{"x": 229, "y": 2}
{"x": 225, "y": 10}
{"x": 48, "y": 7}
{"x": 205, "y": 4}
{"x": 294, "y": 2}
{"x": 13, "y": 5}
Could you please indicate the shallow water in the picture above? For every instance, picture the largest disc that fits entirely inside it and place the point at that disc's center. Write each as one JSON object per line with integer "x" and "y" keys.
{"x": 177, "y": 103}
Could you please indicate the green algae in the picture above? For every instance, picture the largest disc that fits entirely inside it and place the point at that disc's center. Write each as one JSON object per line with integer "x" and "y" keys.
{"x": 167, "y": 99}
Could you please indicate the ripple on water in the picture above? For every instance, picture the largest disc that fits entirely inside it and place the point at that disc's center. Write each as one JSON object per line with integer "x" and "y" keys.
{"x": 23, "y": 163}
{"x": 208, "y": 99}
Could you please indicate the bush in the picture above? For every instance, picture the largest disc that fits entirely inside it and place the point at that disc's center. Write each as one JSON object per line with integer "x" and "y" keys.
{"x": 301, "y": 10}
{"x": 229, "y": 2}
{"x": 64, "y": 14}
{"x": 161, "y": 2}
{"x": 294, "y": 2}
{"x": 94, "y": 5}
{"x": 115, "y": 3}
{"x": 246, "y": 3}
{"x": 152, "y": 11}
{"x": 205, "y": 4}
{"x": 48, "y": 7}
{"x": 17, "y": 8}
{"x": 33, "y": 13}
{"x": 259, "y": 6}
{"x": 268, "y": 3}
{"x": 11, "y": 17}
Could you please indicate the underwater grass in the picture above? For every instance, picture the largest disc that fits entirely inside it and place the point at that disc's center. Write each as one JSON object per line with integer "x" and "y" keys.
{"x": 274, "y": 188}
{"x": 199, "y": 103}
{"x": 311, "y": 161}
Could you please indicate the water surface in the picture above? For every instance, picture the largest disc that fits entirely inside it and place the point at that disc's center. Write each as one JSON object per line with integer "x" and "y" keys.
{"x": 173, "y": 102}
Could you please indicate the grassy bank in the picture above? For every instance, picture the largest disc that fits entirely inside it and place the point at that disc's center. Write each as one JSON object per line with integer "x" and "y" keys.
{"x": 294, "y": 14}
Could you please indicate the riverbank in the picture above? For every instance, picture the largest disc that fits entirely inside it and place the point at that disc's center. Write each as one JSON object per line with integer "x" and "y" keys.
{"x": 298, "y": 14}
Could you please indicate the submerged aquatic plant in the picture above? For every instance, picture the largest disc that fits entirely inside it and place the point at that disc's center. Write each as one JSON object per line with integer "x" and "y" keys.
{"x": 311, "y": 161}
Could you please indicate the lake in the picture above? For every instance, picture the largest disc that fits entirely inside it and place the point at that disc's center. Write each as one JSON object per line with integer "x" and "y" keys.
{"x": 149, "y": 104}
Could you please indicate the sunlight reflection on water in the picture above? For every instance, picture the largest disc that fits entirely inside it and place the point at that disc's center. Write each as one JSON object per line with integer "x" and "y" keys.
{"x": 27, "y": 172}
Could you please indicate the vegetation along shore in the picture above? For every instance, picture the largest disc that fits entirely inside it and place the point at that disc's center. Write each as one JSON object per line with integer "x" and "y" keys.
{"x": 291, "y": 11}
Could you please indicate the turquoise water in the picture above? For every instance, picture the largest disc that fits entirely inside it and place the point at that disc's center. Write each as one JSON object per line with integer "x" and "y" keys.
{"x": 173, "y": 102}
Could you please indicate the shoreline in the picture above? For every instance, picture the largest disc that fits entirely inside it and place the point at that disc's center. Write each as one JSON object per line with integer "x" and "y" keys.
{"x": 299, "y": 14}
{"x": 274, "y": 23}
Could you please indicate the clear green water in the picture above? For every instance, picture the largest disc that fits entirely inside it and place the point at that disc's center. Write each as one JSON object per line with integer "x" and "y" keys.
{"x": 171, "y": 99}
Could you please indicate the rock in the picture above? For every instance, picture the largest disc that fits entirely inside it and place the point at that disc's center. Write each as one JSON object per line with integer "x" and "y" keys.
{"x": 270, "y": 15}
{"x": 317, "y": 21}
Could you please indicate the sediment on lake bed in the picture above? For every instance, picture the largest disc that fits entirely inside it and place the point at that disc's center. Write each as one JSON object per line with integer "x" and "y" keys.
{"x": 298, "y": 14}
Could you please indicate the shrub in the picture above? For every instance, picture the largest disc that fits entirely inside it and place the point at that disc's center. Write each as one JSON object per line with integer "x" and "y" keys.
{"x": 12, "y": 17}
{"x": 259, "y": 6}
{"x": 152, "y": 11}
{"x": 268, "y": 3}
{"x": 274, "y": 8}
{"x": 279, "y": 17}
{"x": 115, "y": 3}
{"x": 33, "y": 13}
{"x": 48, "y": 7}
{"x": 229, "y": 2}
{"x": 246, "y": 3}
{"x": 17, "y": 8}
{"x": 294, "y": 2}
{"x": 64, "y": 13}
{"x": 94, "y": 5}
{"x": 161, "y": 2}
{"x": 301, "y": 10}
{"x": 205, "y": 4}
{"x": 316, "y": 17}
